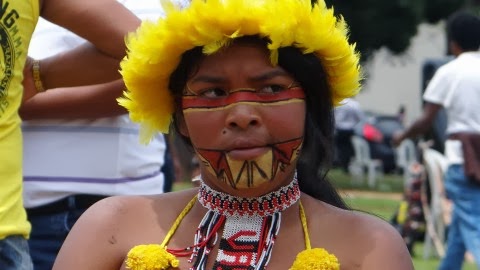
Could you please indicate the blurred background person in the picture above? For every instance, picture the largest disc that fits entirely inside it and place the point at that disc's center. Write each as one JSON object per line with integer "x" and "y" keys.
{"x": 347, "y": 116}
{"x": 169, "y": 167}
{"x": 456, "y": 88}
{"x": 402, "y": 113}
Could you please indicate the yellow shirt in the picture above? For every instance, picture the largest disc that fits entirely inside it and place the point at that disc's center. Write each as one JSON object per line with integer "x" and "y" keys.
{"x": 17, "y": 22}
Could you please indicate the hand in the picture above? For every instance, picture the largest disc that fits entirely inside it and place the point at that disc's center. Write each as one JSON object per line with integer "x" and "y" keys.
{"x": 397, "y": 138}
{"x": 29, "y": 89}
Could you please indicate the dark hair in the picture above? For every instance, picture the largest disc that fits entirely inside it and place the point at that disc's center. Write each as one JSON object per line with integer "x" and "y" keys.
{"x": 464, "y": 29}
{"x": 316, "y": 156}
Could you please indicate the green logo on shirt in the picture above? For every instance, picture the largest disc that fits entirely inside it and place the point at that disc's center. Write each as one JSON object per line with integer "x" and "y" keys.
{"x": 8, "y": 30}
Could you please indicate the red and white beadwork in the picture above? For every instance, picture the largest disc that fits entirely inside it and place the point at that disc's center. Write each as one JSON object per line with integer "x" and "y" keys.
{"x": 250, "y": 227}
{"x": 266, "y": 205}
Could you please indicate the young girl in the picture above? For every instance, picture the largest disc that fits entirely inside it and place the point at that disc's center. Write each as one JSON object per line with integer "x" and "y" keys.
{"x": 251, "y": 86}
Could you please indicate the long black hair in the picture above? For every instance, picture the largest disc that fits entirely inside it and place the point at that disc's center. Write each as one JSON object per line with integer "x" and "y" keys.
{"x": 317, "y": 151}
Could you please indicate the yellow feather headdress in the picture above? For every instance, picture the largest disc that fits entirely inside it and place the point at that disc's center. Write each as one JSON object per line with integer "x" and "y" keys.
{"x": 155, "y": 50}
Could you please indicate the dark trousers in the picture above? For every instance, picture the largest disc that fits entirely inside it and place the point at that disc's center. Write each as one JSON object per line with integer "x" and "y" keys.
{"x": 51, "y": 224}
{"x": 343, "y": 148}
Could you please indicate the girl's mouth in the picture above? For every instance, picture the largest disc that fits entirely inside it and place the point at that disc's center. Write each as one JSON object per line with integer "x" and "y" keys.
{"x": 247, "y": 153}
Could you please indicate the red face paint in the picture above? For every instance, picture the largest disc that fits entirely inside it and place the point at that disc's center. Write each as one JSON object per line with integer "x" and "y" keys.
{"x": 245, "y": 119}
{"x": 250, "y": 173}
{"x": 242, "y": 95}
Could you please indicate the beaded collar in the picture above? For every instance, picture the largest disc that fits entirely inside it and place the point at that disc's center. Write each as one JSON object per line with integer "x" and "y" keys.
{"x": 251, "y": 226}
{"x": 266, "y": 205}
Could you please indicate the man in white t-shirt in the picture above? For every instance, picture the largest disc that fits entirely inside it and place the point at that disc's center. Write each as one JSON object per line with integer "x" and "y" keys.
{"x": 90, "y": 153}
{"x": 456, "y": 87}
{"x": 347, "y": 116}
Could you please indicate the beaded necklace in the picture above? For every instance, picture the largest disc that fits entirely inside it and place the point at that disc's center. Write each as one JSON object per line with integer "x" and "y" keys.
{"x": 250, "y": 228}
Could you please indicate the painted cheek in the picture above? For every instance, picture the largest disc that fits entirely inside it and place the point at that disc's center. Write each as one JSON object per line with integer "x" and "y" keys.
{"x": 242, "y": 96}
{"x": 286, "y": 121}
{"x": 204, "y": 127}
{"x": 283, "y": 114}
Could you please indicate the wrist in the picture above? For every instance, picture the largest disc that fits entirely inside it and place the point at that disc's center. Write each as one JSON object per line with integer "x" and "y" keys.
{"x": 37, "y": 79}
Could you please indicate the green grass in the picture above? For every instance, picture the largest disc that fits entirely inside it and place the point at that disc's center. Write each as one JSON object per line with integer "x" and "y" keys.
{"x": 181, "y": 185}
{"x": 383, "y": 208}
{"x": 388, "y": 183}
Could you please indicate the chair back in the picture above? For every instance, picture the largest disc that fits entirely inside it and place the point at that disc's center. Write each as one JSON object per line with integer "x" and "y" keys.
{"x": 361, "y": 149}
{"x": 363, "y": 159}
{"x": 436, "y": 166}
{"x": 435, "y": 212}
{"x": 406, "y": 154}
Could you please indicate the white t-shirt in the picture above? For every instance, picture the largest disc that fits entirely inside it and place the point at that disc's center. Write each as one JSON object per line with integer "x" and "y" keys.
{"x": 456, "y": 86}
{"x": 101, "y": 156}
{"x": 348, "y": 114}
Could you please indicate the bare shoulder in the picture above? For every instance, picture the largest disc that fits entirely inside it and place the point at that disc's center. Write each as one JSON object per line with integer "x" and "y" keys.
{"x": 120, "y": 208}
{"x": 120, "y": 212}
{"x": 112, "y": 226}
{"x": 360, "y": 240}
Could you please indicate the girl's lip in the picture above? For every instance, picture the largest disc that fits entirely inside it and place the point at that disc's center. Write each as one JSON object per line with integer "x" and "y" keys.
{"x": 247, "y": 153}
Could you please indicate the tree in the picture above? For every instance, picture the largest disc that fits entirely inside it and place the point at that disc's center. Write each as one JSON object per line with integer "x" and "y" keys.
{"x": 436, "y": 10}
{"x": 391, "y": 23}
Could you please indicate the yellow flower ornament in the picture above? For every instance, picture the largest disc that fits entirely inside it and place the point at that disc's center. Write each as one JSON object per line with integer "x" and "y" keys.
{"x": 315, "y": 259}
{"x": 157, "y": 257}
{"x": 150, "y": 257}
{"x": 155, "y": 50}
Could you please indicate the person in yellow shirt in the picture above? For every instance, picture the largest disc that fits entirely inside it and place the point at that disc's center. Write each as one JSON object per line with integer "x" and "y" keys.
{"x": 105, "y": 23}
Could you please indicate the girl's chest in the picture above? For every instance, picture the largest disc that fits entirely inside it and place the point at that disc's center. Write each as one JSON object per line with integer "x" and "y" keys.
{"x": 240, "y": 256}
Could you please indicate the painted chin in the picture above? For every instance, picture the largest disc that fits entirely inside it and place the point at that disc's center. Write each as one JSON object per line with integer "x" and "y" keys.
{"x": 247, "y": 153}
{"x": 258, "y": 183}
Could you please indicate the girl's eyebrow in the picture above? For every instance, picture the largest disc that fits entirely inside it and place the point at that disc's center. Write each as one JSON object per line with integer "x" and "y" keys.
{"x": 208, "y": 79}
{"x": 269, "y": 75}
{"x": 258, "y": 78}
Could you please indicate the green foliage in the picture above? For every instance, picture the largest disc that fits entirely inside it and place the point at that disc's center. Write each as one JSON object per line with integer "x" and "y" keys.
{"x": 391, "y": 23}
{"x": 435, "y": 10}
{"x": 377, "y": 23}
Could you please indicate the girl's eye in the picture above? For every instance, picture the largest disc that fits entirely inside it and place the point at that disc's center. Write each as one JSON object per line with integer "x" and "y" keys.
{"x": 271, "y": 89}
{"x": 213, "y": 93}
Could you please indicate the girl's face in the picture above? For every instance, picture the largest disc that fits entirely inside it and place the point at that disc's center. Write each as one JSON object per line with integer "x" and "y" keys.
{"x": 245, "y": 119}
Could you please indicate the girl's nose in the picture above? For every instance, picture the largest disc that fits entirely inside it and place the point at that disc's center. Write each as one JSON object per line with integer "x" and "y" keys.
{"x": 243, "y": 116}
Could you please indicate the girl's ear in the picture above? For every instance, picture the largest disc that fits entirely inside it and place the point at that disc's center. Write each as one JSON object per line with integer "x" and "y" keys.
{"x": 181, "y": 125}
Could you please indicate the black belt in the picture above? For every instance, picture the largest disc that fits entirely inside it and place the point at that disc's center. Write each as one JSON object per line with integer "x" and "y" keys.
{"x": 69, "y": 203}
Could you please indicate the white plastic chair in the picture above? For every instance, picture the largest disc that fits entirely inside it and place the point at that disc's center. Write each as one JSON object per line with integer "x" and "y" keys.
{"x": 437, "y": 211}
{"x": 362, "y": 159}
{"x": 405, "y": 156}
